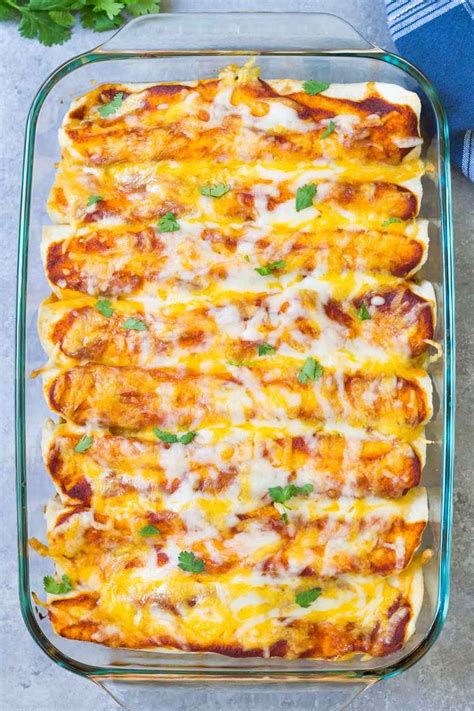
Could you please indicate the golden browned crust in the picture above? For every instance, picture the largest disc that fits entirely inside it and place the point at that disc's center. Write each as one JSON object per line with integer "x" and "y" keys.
{"x": 131, "y": 398}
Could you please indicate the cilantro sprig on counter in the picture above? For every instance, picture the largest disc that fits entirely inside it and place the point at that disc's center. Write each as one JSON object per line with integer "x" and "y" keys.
{"x": 51, "y": 21}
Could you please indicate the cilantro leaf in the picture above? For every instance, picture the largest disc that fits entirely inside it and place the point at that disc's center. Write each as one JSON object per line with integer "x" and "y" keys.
{"x": 142, "y": 7}
{"x": 108, "y": 109}
{"x": 45, "y": 5}
{"x": 104, "y": 307}
{"x": 8, "y": 13}
{"x": 270, "y": 267}
{"x": 329, "y": 130}
{"x": 50, "y": 21}
{"x": 170, "y": 438}
{"x": 363, "y": 313}
{"x": 148, "y": 530}
{"x": 284, "y": 517}
{"x": 76, "y": 4}
{"x": 240, "y": 363}
{"x": 110, "y": 7}
{"x": 165, "y": 436}
{"x": 281, "y": 494}
{"x": 266, "y": 349}
{"x": 187, "y": 438}
{"x": 168, "y": 223}
{"x": 62, "y": 17}
{"x": 304, "y": 196}
{"x": 55, "y": 588}
{"x": 311, "y": 370}
{"x": 84, "y": 444}
{"x": 391, "y": 221}
{"x": 134, "y": 324}
{"x": 306, "y": 597}
{"x": 38, "y": 25}
{"x": 93, "y": 199}
{"x": 98, "y": 21}
{"x": 312, "y": 87}
{"x": 216, "y": 191}
{"x": 189, "y": 562}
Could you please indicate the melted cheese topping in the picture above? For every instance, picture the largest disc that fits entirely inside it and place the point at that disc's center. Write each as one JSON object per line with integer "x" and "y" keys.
{"x": 178, "y": 362}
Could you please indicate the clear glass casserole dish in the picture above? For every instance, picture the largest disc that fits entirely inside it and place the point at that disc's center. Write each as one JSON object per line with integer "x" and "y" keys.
{"x": 194, "y": 46}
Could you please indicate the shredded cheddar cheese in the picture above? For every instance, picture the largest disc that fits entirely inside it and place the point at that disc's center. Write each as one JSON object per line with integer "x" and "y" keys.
{"x": 237, "y": 354}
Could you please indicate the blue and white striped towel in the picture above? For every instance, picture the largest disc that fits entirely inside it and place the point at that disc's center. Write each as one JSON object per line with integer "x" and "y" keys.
{"x": 438, "y": 37}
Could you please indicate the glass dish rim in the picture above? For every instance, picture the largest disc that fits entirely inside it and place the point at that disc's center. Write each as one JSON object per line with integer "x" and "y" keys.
{"x": 222, "y": 674}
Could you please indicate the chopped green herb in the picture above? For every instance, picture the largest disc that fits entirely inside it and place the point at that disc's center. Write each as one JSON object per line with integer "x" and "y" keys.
{"x": 170, "y": 438}
{"x": 266, "y": 349}
{"x": 84, "y": 444}
{"x": 189, "y": 562}
{"x": 167, "y": 437}
{"x": 391, "y": 221}
{"x": 247, "y": 258}
{"x": 148, "y": 530}
{"x": 104, "y": 307}
{"x": 55, "y": 588}
{"x": 113, "y": 106}
{"x": 329, "y": 130}
{"x": 93, "y": 199}
{"x": 306, "y": 597}
{"x": 363, "y": 313}
{"x": 281, "y": 494}
{"x": 314, "y": 87}
{"x": 168, "y": 223}
{"x": 304, "y": 196}
{"x": 187, "y": 438}
{"x": 270, "y": 267}
{"x": 215, "y": 191}
{"x": 134, "y": 324}
{"x": 240, "y": 363}
{"x": 284, "y": 517}
{"x": 311, "y": 370}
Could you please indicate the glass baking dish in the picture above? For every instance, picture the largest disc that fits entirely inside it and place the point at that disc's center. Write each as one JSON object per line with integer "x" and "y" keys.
{"x": 193, "y": 46}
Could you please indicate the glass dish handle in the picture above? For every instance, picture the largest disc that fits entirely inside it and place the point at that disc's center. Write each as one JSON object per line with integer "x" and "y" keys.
{"x": 138, "y": 695}
{"x": 252, "y": 32}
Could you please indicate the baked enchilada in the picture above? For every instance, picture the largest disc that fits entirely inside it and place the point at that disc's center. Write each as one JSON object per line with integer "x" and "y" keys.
{"x": 237, "y": 342}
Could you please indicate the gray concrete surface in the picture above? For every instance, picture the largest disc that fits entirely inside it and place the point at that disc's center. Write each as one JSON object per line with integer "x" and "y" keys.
{"x": 28, "y": 680}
